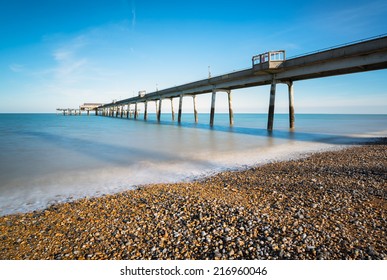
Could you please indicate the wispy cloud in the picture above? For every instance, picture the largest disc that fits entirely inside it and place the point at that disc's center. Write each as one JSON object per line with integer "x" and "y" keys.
{"x": 69, "y": 62}
{"x": 130, "y": 6}
{"x": 353, "y": 18}
{"x": 16, "y": 67}
{"x": 133, "y": 14}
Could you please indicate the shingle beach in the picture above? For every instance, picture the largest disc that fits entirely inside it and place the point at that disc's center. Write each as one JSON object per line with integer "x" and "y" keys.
{"x": 330, "y": 205}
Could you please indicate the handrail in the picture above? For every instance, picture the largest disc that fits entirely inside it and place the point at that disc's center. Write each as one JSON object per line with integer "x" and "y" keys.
{"x": 340, "y": 45}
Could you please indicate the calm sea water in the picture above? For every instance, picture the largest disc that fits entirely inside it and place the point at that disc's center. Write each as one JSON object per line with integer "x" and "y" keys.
{"x": 48, "y": 158}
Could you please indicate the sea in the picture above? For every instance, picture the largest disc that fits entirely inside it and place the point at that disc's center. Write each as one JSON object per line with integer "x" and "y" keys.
{"x": 50, "y": 158}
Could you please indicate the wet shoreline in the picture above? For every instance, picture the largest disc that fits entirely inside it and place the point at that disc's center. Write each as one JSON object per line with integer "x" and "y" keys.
{"x": 330, "y": 205}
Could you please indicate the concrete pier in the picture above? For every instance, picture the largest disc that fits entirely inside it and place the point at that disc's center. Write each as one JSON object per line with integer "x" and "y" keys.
{"x": 270, "y": 120}
{"x": 172, "y": 110}
{"x": 212, "y": 113}
{"x": 135, "y": 111}
{"x": 180, "y": 108}
{"x": 270, "y": 68}
{"x": 195, "y": 109}
{"x": 145, "y": 110}
{"x": 230, "y": 112}
{"x": 159, "y": 110}
{"x": 291, "y": 105}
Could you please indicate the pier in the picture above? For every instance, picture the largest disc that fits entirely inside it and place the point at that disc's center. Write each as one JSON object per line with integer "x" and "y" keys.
{"x": 269, "y": 68}
{"x": 87, "y": 107}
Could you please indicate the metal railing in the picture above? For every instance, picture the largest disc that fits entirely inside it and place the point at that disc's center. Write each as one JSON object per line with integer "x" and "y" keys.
{"x": 338, "y": 46}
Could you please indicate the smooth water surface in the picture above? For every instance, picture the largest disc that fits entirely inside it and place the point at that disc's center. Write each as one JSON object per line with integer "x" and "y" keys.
{"x": 48, "y": 158}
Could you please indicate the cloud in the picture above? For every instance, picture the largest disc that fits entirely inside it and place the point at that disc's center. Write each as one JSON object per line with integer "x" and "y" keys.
{"x": 133, "y": 14}
{"x": 16, "y": 67}
{"x": 354, "y": 17}
{"x": 70, "y": 63}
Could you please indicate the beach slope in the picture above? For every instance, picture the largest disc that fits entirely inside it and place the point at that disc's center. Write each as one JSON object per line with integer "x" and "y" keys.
{"x": 329, "y": 205}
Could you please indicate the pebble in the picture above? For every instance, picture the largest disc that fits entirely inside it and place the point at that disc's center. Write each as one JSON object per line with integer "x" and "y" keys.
{"x": 330, "y": 205}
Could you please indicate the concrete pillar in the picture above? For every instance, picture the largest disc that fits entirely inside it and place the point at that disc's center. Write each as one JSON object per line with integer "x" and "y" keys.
{"x": 159, "y": 110}
{"x": 291, "y": 105}
{"x": 135, "y": 111}
{"x": 270, "y": 120}
{"x": 230, "y": 112}
{"x": 122, "y": 110}
{"x": 180, "y": 108}
{"x": 195, "y": 110}
{"x": 212, "y": 114}
{"x": 127, "y": 110}
{"x": 172, "y": 110}
{"x": 96, "y": 111}
{"x": 88, "y": 112}
{"x": 116, "y": 111}
{"x": 145, "y": 110}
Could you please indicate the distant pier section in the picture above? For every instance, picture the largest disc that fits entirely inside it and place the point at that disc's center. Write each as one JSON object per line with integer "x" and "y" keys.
{"x": 86, "y": 107}
{"x": 269, "y": 68}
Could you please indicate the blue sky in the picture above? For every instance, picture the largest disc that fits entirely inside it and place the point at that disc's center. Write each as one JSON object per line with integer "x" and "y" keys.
{"x": 62, "y": 53}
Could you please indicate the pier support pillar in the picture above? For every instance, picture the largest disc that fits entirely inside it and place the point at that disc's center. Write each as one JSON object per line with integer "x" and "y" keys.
{"x": 96, "y": 111}
{"x": 212, "y": 113}
{"x": 122, "y": 110}
{"x": 195, "y": 110}
{"x": 172, "y": 110}
{"x": 180, "y": 108}
{"x": 88, "y": 112}
{"x": 145, "y": 110}
{"x": 291, "y": 105}
{"x": 159, "y": 110}
{"x": 135, "y": 111}
{"x": 117, "y": 112}
{"x": 230, "y": 112}
{"x": 270, "y": 120}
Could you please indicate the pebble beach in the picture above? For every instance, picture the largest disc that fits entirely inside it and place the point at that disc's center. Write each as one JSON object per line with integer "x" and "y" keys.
{"x": 329, "y": 205}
